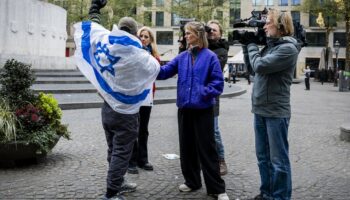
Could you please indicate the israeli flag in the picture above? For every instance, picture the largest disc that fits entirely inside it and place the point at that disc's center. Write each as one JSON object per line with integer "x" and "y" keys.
{"x": 115, "y": 63}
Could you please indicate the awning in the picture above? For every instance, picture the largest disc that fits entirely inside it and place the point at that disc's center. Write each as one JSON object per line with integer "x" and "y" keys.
{"x": 237, "y": 59}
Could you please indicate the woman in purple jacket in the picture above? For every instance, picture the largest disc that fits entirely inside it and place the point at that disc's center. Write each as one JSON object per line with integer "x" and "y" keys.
{"x": 199, "y": 81}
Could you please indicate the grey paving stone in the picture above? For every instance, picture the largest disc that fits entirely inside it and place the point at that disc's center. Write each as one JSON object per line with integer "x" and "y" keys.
{"x": 76, "y": 169}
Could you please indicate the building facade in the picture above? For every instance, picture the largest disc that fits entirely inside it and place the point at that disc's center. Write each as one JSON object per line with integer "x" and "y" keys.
{"x": 166, "y": 26}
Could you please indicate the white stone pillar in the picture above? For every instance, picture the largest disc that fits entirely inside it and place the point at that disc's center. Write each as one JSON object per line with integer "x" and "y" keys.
{"x": 33, "y": 32}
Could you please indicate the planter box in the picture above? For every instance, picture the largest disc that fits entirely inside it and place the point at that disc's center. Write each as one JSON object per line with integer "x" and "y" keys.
{"x": 21, "y": 150}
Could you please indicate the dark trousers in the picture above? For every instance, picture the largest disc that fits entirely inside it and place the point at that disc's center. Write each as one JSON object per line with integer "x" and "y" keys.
{"x": 121, "y": 132}
{"x": 198, "y": 150}
{"x": 140, "y": 152}
{"x": 307, "y": 83}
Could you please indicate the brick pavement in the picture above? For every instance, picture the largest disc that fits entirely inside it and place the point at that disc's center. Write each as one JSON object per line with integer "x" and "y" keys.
{"x": 76, "y": 169}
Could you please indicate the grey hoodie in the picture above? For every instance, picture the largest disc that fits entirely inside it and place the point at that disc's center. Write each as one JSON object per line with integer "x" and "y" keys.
{"x": 274, "y": 68}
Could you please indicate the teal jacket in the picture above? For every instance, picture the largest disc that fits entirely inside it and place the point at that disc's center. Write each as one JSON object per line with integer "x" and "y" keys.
{"x": 274, "y": 68}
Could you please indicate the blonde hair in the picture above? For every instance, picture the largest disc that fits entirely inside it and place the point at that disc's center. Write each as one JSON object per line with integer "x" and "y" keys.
{"x": 283, "y": 21}
{"x": 153, "y": 43}
{"x": 198, "y": 29}
{"x": 217, "y": 23}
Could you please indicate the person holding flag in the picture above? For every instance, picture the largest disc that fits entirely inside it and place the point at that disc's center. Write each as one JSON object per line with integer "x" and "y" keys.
{"x": 122, "y": 72}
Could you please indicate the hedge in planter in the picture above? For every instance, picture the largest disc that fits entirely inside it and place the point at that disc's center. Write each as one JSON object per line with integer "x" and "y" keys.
{"x": 27, "y": 118}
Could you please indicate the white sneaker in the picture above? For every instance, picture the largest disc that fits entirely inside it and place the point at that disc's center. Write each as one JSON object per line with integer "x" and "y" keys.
{"x": 223, "y": 196}
{"x": 184, "y": 188}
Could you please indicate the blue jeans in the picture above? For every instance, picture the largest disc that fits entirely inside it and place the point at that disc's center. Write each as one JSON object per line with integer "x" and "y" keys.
{"x": 219, "y": 145}
{"x": 271, "y": 146}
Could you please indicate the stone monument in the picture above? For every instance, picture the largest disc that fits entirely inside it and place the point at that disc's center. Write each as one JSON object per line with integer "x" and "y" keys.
{"x": 34, "y": 32}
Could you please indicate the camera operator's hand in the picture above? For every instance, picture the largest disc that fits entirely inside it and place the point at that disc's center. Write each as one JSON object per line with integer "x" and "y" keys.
{"x": 249, "y": 37}
{"x": 96, "y": 5}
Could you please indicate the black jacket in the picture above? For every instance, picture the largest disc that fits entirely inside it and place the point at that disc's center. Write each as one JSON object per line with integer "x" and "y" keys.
{"x": 220, "y": 48}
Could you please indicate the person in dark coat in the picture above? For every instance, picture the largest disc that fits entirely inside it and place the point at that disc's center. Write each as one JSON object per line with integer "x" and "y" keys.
{"x": 322, "y": 76}
{"x": 220, "y": 47}
{"x": 307, "y": 73}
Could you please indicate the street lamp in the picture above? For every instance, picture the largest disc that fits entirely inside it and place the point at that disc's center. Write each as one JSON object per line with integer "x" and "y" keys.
{"x": 336, "y": 68}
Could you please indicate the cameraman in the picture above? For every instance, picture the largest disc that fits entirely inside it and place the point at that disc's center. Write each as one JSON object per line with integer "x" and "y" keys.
{"x": 220, "y": 47}
{"x": 274, "y": 67}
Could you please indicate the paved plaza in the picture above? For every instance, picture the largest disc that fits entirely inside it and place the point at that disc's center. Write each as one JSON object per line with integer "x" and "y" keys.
{"x": 76, "y": 169}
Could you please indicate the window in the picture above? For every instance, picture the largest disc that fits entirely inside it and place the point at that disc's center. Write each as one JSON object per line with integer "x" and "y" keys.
{"x": 341, "y": 37}
{"x": 295, "y": 2}
{"x": 218, "y": 2}
{"x": 328, "y": 21}
{"x": 315, "y": 39}
{"x": 234, "y": 14}
{"x": 257, "y": 2}
{"x": 331, "y": 21}
{"x": 159, "y": 18}
{"x": 283, "y": 2}
{"x": 235, "y": 10}
{"x": 179, "y": 2}
{"x": 312, "y": 20}
{"x": 160, "y": 3}
{"x": 147, "y": 18}
{"x": 219, "y": 15}
{"x": 269, "y": 2}
{"x": 175, "y": 19}
{"x": 147, "y": 3}
{"x": 295, "y": 16}
{"x": 165, "y": 37}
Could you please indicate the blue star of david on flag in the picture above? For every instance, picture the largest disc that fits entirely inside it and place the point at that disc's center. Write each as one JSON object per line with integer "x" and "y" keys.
{"x": 123, "y": 83}
{"x": 104, "y": 60}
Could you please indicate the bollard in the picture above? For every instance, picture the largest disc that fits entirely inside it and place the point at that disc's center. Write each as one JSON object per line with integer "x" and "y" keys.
{"x": 345, "y": 132}
{"x": 344, "y": 81}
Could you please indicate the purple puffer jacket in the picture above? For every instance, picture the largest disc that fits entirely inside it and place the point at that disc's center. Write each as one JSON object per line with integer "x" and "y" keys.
{"x": 199, "y": 83}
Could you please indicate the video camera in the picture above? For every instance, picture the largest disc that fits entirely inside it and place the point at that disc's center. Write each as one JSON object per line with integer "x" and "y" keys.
{"x": 182, "y": 40}
{"x": 258, "y": 20}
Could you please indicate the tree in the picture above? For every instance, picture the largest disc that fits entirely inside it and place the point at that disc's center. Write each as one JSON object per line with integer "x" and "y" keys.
{"x": 78, "y": 10}
{"x": 339, "y": 10}
{"x": 201, "y": 10}
{"x": 346, "y": 10}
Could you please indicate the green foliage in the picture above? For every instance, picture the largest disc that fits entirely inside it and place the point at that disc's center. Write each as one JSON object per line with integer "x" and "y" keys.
{"x": 49, "y": 105}
{"x": 62, "y": 130}
{"x": 332, "y": 9}
{"x": 78, "y": 10}
{"x": 201, "y": 10}
{"x": 7, "y": 122}
{"x": 52, "y": 113}
{"x": 16, "y": 79}
{"x": 35, "y": 119}
{"x": 329, "y": 8}
{"x": 43, "y": 138}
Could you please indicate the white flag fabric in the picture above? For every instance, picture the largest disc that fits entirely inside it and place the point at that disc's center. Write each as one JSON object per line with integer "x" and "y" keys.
{"x": 115, "y": 63}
